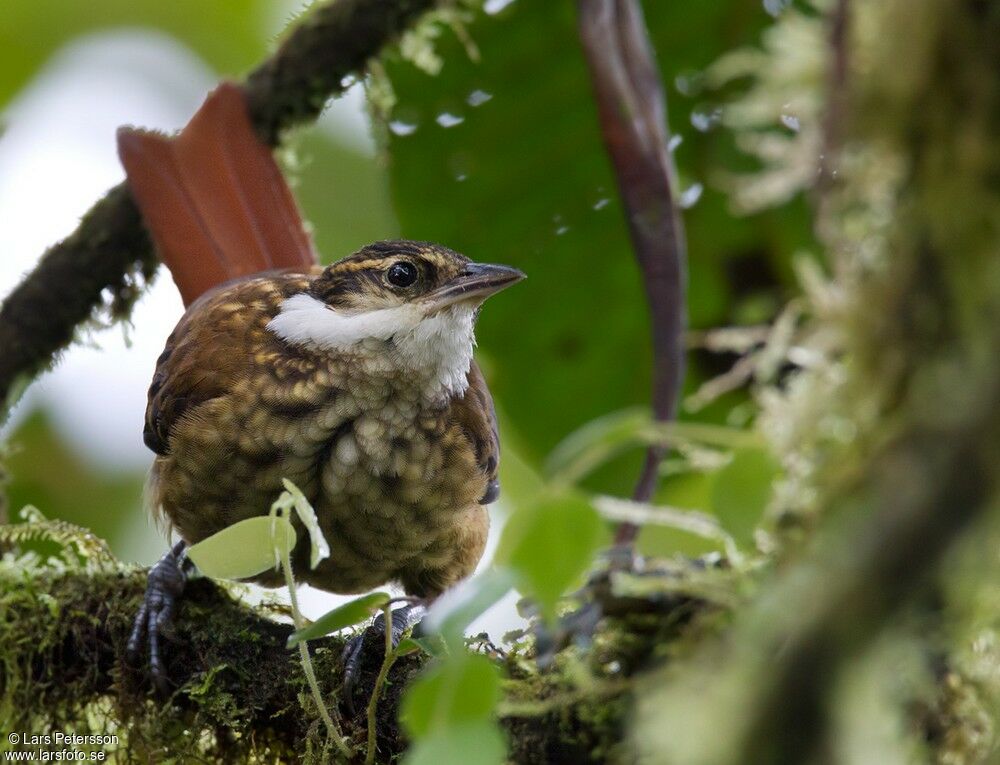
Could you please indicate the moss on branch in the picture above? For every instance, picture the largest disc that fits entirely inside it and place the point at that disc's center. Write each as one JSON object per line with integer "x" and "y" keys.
{"x": 241, "y": 694}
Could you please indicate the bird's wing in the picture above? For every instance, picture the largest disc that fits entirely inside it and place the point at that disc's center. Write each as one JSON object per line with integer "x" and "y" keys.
{"x": 213, "y": 198}
{"x": 477, "y": 417}
{"x": 207, "y": 353}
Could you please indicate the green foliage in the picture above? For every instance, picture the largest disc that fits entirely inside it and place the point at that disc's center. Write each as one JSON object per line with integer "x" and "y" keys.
{"x": 245, "y": 549}
{"x": 549, "y": 544}
{"x": 477, "y": 743}
{"x": 449, "y": 710}
{"x": 342, "y": 193}
{"x": 480, "y": 593}
{"x": 741, "y": 492}
{"x": 500, "y": 157}
{"x": 448, "y": 694}
{"x": 72, "y": 545}
{"x": 34, "y": 30}
{"x": 45, "y": 472}
{"x": 293, "y": 499}
{"x": 346, "y": 615}
{"x": 518, "y": 179}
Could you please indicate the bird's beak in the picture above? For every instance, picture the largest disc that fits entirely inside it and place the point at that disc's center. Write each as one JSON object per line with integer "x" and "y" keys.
{"x": 475, "y": 283}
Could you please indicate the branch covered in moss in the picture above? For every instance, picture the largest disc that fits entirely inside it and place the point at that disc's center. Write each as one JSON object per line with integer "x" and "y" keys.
{"x": 920, "y": 390}
{"x": 109, "y": 258}
{"x": 240, "y": 693}
{"x": 64, "y": 637}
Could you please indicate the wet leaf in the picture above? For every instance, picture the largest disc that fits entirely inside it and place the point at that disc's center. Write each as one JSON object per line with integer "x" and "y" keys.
{"x": 475, "y": 744}
{"x": 412, "y": 645}
{"x": 524, "y": 179}
{"x": 347, "y": 615}
{"x": 457, "y": 609}
{"x": 549, "y": 544}
{"x": 245, "y": 549}
{"x": 460, "y": 690}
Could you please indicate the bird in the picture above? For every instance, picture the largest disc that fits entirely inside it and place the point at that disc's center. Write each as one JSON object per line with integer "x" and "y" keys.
{"x": 355, "y": 381}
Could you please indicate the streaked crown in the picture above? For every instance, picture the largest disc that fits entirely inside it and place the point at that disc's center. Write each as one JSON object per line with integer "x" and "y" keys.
{"x": 386, "y": 274}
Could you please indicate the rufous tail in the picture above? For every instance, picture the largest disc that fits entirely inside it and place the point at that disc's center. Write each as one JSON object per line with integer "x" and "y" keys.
{"x": 213, "y": 197}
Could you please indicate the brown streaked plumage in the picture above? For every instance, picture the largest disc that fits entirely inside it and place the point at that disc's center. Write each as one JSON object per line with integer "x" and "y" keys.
{"x": 354, "y": 381}
{"x": 396, "y": 482}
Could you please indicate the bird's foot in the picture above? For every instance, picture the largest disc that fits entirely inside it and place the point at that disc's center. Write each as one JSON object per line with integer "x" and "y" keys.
{"x": 369, "y": 646}
{"x": 164, "y": 585}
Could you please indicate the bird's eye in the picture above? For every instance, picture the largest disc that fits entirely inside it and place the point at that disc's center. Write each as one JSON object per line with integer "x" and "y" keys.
{"x": 402, "y": 274}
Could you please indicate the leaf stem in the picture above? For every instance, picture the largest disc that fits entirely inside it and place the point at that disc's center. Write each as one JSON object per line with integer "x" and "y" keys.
{"x": 333, "y": 732}
{"x": 383, "y": 674}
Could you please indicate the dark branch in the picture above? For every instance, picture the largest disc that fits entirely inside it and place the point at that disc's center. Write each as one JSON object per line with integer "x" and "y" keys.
{"x": 110, "y": 250}
{"x": 240, "y": 694}
{"x": 632, "y": 109}
{"x": 331, "y": 43}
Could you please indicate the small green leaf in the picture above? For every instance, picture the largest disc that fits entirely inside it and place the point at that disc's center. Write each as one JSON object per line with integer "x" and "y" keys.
{"x": 741, "y": 492}
{"x": 410, "y": 645}
{"x": 346, "y": 615}
{"x": 432, "y": 645}
{"x": 478, "y": 743}
{"x": 293, "y": 498}
{"x": 459, "y": 690}
{"x": 594, "y": 443}
{"x": 407, "y": 646}
{"x": 550, "y": 544}
{"x": 244, "y": 549}
{"x": 453, "y": 613}
{"x": 604, "y": 438}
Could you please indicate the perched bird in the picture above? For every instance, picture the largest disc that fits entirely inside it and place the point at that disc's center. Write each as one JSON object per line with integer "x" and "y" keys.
{"x": 354, "y": 381}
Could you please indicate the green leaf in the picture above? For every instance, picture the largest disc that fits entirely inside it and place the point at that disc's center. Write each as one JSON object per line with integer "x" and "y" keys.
{"x": 475, "y": 744}
{"x": 291, "y": 498}
{"x": 453, "y": 613}
{"x": 598, "y": 441}
{"x": 244, "y": 549}
{"x": 346, "y": 615}
{"x": 741, "y": 491}
{"x": 459, "y": 690}
{"x": 550, "y": 544}
{"x": 411, "y": 645}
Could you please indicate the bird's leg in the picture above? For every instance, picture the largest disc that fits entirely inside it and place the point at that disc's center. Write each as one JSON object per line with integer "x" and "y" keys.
{"x": 164, "y": 585}
{"x": 403, "y": 618}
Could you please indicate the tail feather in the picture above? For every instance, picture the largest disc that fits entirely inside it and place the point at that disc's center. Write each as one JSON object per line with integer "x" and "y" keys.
{"x": 213, "y": 197}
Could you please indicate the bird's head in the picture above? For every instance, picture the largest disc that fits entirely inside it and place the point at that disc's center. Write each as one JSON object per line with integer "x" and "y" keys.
{"x": 409, "y": 305}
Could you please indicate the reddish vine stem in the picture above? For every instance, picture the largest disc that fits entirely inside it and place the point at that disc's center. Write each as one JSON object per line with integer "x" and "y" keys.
{"x": 631, "y": 105}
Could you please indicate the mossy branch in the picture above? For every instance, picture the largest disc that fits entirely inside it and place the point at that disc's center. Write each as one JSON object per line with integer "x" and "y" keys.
{"x": 64, "y": 639}
{"x": 241, "y": 694}
{"x": 920, "y": 384}
{"x": 108, "y": 260}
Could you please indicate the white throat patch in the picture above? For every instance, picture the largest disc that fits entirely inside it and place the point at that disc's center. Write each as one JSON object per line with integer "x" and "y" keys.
{"x": 436, "y": 349}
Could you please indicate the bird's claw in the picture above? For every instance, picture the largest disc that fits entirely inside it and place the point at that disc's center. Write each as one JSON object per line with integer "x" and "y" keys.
{"x": 403, "y": 619}
{"x": 164, "y": 585}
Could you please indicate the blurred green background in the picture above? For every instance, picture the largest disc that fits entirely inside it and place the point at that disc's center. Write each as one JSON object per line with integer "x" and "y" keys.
{"x": 498, "y": 155}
